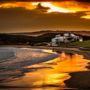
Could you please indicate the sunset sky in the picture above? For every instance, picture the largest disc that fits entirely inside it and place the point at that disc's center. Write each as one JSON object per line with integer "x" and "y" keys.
{"x": 28, "y": 16}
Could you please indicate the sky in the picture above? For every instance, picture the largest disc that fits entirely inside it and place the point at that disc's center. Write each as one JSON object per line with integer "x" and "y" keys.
{"x": 31, "y": 15}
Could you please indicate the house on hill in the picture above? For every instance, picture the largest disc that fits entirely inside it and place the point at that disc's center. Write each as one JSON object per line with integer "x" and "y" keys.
{"x": 65, "y": 38}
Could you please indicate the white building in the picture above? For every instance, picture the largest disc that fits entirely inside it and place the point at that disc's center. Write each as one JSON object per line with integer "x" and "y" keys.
{"x": 57, "y": 40}
{"x": 66, "y": 34}
{"x": 65, "y": 39}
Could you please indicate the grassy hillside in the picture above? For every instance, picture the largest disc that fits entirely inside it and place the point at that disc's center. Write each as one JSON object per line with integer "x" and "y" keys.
{"x": 80, "y": 44}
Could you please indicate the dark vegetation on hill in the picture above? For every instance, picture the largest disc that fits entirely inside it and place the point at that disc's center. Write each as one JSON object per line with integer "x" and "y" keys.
{"x": 31, "y": 39}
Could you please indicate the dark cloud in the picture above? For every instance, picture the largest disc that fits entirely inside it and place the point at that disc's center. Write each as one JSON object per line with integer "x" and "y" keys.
{"x": 19, "y": 19}
{"x": 43, "y": 0}
{"x": 83, "y": 0}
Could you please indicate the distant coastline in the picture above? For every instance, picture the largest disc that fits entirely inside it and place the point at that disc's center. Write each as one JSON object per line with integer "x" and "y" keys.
{"x": 83, "y": 32}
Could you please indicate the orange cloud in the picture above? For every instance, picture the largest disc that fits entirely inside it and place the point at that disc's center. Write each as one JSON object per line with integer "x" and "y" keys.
{"x": 86, "y": 16}
{"x": 63, "y": 6}
{"x": 73, "y": 5}
{"x": 26, "y": 5}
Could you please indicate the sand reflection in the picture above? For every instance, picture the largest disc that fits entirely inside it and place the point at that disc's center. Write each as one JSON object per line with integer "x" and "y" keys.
{"x": 54, "y": 76}
{"x": 71, "y": 63}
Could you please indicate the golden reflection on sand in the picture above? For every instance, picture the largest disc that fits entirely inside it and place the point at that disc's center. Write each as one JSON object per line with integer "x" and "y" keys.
{"x": 55, "y": 76}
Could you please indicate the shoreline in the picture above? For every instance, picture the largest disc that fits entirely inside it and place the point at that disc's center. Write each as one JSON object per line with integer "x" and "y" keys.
{"x": 76, "y": 77}
{"x": 55, "y": 49}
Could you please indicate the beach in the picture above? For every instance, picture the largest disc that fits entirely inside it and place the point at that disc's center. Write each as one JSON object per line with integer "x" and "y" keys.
{"x": 44, "y": 67}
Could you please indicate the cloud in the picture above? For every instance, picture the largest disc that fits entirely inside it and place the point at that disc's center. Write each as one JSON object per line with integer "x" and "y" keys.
{"x": 45, "y": 0}
{"x": 20, "y": 19}
{"x": 24, "y": 16}
{"x": 42, "y": 0}
{"x": 64, "y": 6}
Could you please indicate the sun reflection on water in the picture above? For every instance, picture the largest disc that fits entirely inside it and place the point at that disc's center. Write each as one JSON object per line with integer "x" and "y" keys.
{"x": 54, "y": 76}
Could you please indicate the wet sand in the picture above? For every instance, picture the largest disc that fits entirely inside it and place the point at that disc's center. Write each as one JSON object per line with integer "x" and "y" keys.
{"x": 14, "y": 60}
{"x": 72, "y": 70}
{"x": 80, "y": 80}
{"x": 56, "y": 49}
